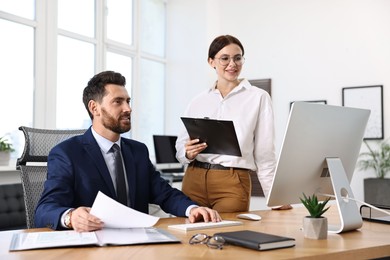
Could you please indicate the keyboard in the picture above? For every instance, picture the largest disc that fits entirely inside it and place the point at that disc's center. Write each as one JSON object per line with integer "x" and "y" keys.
{"x": 205, "y": 225}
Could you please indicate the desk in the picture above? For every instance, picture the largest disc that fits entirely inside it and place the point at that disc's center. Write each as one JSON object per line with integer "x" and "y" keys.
{"x": 371, "y": 241}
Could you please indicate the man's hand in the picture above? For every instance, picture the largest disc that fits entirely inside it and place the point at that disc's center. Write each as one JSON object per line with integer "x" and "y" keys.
{"x": 203, "y": 213}
{"x": 193, "y": 148}
{"x": 82, "y": 221}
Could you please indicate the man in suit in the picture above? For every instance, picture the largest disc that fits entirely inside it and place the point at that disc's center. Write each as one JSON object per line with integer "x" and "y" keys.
{"x": 83, "y": 165}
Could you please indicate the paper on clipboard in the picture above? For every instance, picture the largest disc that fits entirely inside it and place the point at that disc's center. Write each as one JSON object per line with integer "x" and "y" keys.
{"x": 220, "y": 135}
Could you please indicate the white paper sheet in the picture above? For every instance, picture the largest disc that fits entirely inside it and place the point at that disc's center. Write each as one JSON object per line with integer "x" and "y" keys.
{"x": 118, "y": 235}
{"x": 49, "y": 239}
{"x": 129, "y": 236}
{"x": 106, "y": 236}
{"x": 116, "y": 215}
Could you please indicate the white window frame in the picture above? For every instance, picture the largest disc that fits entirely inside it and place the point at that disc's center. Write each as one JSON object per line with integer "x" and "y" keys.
{"x": 45, "y": 60}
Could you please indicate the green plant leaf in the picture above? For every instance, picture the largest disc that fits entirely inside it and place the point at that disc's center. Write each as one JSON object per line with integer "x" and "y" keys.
{"x": 316, "y": 209}
{"x": 378, "y": 160}
{"x": 5, "y": 146}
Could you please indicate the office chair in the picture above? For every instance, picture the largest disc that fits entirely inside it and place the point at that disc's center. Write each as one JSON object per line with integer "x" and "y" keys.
{"x": 33, "y": 163}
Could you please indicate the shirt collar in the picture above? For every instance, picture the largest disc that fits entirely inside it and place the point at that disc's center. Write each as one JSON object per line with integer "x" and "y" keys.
{"x": 244, "y": 83}
{"x": 104, "y": 144}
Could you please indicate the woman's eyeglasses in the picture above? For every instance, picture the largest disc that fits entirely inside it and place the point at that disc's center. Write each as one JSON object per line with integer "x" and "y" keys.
{"x": 215, "y": 242}
{"x": 225, "y": 60}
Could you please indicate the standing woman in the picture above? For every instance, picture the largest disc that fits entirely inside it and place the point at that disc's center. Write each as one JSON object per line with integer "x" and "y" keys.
{"x": 222, "y": 182}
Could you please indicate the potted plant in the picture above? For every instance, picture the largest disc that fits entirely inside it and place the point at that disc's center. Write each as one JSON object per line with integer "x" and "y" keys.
{"x": 376, "y": 190}
{"x": 5, "y": 151}
{"x": 315, "y": 226}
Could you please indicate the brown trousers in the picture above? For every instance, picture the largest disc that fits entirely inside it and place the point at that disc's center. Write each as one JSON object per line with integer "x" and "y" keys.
{"x": 222, "y": 190}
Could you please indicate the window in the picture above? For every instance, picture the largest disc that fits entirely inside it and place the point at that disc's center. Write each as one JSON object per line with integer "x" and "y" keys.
{"x": 120, "y": 21}
{"x": 150, "y": 101}
{"x": 77, "y": 16}
{"x": 53, "y": 47}
{"x": 16, "y": 66}
{"x": 74, "y": 68}
{"x": 22, "y": 8}
{"x": 152, "y": 31}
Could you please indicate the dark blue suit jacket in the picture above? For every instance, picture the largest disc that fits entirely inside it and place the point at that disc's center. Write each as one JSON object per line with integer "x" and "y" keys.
{"x": 77, "y": 171}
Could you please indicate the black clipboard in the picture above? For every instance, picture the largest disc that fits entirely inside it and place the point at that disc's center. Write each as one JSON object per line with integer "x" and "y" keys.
{"x": 219, "y": 135}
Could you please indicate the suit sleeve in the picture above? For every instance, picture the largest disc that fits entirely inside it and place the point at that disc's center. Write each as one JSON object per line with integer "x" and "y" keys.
{"x": 170, "y": 200}
{"x": 58, "y": 194}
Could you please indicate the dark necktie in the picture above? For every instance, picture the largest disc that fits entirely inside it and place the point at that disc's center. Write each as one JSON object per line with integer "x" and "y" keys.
{"x": 119, "y": 175}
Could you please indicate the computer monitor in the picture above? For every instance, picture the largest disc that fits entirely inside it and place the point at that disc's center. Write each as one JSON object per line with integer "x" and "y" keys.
{"x": 318, "y": 156}
{"x": 164, "y": 147}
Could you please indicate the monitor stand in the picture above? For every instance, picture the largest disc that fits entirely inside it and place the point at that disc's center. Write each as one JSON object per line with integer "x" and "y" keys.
{"x": 349, "y": 213}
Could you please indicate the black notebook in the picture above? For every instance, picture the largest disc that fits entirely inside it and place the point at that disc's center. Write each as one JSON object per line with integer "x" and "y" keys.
{"x": 256, "y": 240}
{"x": 220, "y": 135}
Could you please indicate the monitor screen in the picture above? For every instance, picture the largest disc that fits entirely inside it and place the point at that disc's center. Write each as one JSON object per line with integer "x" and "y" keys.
{"x": 164, "y": 147}
{"x": 314, "y": 133}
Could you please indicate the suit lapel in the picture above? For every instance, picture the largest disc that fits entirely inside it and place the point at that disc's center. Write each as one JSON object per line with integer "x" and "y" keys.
{"x": 94, "y": 152}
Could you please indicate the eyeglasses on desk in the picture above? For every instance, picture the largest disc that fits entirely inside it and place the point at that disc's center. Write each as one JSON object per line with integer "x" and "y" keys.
{"x": 215, "y": 242}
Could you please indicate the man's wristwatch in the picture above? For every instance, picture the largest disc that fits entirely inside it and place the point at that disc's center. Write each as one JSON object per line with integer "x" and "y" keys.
{"x": 68, "y": 219}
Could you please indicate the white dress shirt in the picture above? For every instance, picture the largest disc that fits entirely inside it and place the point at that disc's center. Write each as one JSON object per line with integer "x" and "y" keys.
{"x": 250, "y": 109}
{"x": 105, "y": 146}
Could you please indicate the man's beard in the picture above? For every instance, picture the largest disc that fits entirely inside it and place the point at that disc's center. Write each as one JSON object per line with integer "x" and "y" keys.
{"x": 113, "y": 124}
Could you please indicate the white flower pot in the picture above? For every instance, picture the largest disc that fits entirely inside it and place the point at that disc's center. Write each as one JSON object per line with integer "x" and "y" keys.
{"x": 4, "y": 158}
{"x": 315, "y": 228}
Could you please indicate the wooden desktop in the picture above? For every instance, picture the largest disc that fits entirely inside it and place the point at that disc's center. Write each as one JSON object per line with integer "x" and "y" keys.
{"x": 371, "y": 241}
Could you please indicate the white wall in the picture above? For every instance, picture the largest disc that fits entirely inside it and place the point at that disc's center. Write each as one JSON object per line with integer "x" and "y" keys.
{"x": 310, "y": 49}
